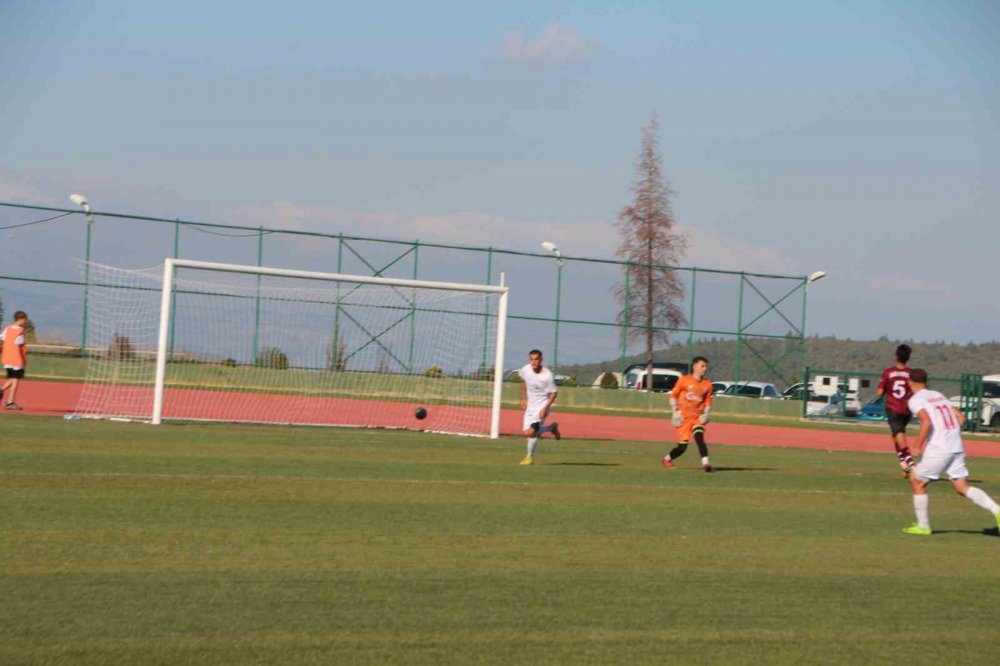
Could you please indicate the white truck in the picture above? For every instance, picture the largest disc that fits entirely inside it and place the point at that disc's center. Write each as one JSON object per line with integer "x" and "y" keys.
{"x": 991, "y": 401}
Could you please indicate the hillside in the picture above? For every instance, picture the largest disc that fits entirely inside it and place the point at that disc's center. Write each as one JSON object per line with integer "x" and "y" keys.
{"x": 857, "y": 356}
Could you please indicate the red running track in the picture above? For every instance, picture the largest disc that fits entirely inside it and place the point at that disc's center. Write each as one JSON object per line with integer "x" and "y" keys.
{"x": 60, "y": 398}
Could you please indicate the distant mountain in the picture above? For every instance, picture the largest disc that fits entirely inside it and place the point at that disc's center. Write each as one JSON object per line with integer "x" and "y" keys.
{"x": 784, "y": 358}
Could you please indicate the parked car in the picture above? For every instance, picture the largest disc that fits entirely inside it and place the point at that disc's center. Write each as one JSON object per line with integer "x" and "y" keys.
{"x": 852, "y": 404}
{"x": 873, "y": 410}
{"x": 663, "y": 379}
{"x": 720, "y": 387}
{"x": 658, "y": 365}
{"x": 515, "y": 376}
{"x": 753, "y": 390}
{"x": 793, "y": 392}
{"x": 826, "y": 405}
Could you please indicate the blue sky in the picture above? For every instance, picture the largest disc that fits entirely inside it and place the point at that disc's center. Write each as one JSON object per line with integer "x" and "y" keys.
{"x": 859, "y": 138}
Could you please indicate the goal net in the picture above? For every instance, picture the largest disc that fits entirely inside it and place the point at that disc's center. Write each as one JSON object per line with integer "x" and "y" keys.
{"x": 196, "y": 340}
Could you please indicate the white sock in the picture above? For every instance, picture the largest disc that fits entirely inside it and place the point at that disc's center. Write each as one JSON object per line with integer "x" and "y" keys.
{"x": 920, "y": 507}
{"x": 979, "y": 498}
{"x": 704, "y": 461}
{"x": 532, "y": 441}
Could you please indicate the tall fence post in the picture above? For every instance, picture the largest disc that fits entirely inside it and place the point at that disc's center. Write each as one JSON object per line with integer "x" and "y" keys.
{"x": 413, "y": 306}
{"x": 256, "y": 314}
{"x": 173, "y": 289}
{"x": 802, "y": 331}
{"x": 739, "y": 330}
{"x": 624, "y": 324}
{"x": 555, "y": 346}
{"x": 486, "y": 310}
{"x": 694, "y": 286}
{"x": 86, "y": 286}
{"x": 335, "y": 357}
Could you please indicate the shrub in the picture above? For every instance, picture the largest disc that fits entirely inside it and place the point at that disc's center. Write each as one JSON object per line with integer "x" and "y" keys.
{"x": 483, "y": 373}
{"x": 229, "y": 362}
{"x": 608, "y": 380}
{"x": 271, "y": 357}
{"x": 121, "y": 348}
{"x": 434, "y": 371}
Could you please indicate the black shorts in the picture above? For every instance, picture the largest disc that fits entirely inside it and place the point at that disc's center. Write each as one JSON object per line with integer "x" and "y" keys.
{"x": 15, "y": 374}
{"x": 897, "y": 421}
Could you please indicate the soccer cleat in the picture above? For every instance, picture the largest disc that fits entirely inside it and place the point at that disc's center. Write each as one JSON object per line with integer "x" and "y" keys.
{"x": 528, "y": 460}
{"x": 998, "y": 521}
{"x": 12, "y": 407}
{"x": 707, "y": 468}
{"x": 555, "y": 431}
{"x": 917, "y": 529}
{"x": 906, "y": 469}
{"x": 667, "y": 463}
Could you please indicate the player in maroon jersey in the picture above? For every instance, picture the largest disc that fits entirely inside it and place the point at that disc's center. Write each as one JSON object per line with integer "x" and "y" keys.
{"x": 895, "y": 385}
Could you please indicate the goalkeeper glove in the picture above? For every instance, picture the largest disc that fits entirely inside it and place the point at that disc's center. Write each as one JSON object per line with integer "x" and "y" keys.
{"x": 703, "y": 419}
{"x": 676, "y": 419}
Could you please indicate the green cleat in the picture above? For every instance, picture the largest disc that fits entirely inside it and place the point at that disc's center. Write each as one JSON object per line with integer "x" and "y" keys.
{"x": 917, "y": 529}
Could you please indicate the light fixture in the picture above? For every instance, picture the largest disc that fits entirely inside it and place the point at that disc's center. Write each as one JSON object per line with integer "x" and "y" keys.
{"x": 818, "y": 275}
{"x": 80, "y": 201}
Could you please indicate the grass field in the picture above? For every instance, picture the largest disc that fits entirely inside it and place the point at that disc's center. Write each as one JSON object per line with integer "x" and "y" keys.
{"x": 184, "y": 544}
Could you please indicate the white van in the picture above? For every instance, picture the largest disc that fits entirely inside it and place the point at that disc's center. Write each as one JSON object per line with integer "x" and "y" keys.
{"x": 664, "y": 379}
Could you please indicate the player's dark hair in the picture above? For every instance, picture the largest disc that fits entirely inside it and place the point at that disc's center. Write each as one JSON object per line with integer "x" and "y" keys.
{"x": 696, "y": 359}
{"x": 20, "y": 314}
{"x": 903, "y": 353}
{"x": 534, "y": 351}
{"x": 918, "y": 375}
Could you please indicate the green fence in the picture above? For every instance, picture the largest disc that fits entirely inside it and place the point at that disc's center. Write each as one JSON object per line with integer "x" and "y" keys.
{"x": 840, "y": 394}
{"x": 562, "y": 303}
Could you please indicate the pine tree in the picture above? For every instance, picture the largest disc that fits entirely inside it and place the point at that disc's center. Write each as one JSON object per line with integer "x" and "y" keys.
{"x": 652, "y": 292}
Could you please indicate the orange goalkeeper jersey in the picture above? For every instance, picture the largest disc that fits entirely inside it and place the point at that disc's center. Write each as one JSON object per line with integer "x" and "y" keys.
{"x": 692, "y": 395}
{"x": 13, "y": 346}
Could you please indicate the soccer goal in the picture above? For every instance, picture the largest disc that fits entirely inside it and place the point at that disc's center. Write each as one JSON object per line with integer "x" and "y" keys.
{"x": 195, "y": 340}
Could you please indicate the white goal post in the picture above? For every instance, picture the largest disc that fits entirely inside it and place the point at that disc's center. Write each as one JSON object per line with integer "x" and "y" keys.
{"x": 396, "y": 345}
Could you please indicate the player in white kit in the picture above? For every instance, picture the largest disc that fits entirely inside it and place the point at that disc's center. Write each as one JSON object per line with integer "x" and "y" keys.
{"x": 538, "y": 392}
{"x": 940, "y": 442}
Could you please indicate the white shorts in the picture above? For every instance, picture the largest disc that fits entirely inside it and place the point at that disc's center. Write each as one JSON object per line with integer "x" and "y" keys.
{"x": 931, "y": 466}
{"x": 530, "y": 418}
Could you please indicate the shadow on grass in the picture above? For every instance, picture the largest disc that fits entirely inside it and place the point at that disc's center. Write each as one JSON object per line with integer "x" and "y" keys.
{"x": 988, "y": 531}
{"x": 585, "y": 464}
{"x": 742, "y": 469}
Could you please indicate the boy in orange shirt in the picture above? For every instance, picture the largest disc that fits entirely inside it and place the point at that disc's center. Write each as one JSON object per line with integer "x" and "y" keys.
{"x": 14, "y": 357}
{"x": 691, "y": 400}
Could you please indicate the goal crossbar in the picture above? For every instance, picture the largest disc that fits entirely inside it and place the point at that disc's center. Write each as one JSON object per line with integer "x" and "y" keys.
{"x": 171, "y": 265}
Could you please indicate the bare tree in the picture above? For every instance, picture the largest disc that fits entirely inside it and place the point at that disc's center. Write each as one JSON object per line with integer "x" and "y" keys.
{"x": 652, "y": 293}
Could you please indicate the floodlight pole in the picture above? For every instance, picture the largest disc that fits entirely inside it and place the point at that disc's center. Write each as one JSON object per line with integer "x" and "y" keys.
{"x": 81, "y": 201}
{"x": 551, "y": 247}
{"x": 806, "y": 281}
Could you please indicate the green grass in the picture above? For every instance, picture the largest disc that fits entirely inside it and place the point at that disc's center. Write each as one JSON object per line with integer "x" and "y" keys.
{"x": 191, "y": 544}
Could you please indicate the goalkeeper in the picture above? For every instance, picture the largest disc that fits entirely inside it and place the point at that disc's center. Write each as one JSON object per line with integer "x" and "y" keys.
{"x": 690, "y": 401}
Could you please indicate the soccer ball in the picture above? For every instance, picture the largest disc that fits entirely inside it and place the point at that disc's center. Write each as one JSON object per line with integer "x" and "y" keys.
{"x": 421, "y": 413}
